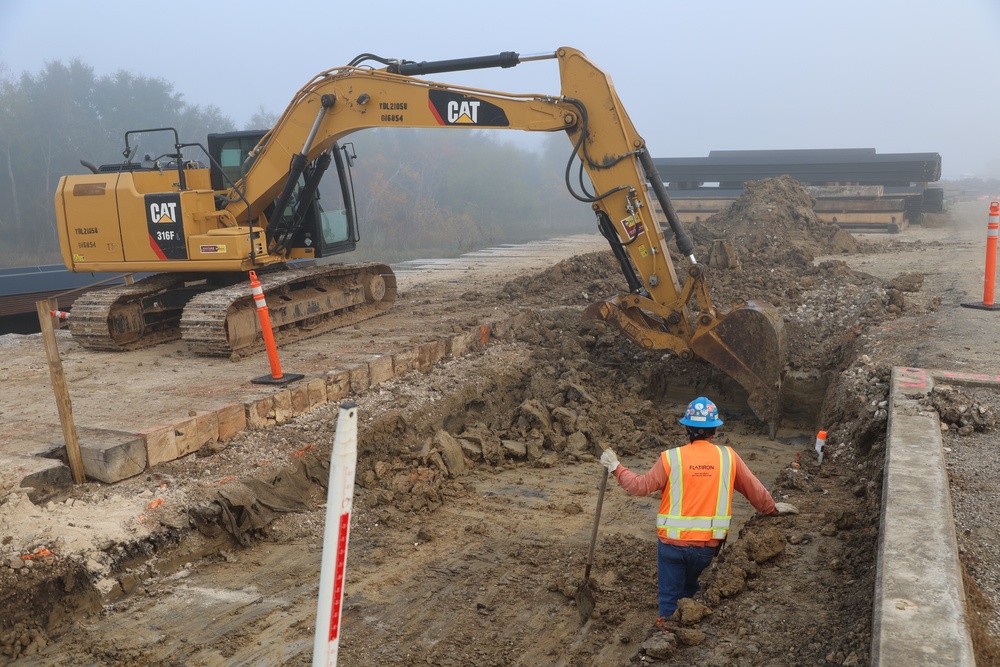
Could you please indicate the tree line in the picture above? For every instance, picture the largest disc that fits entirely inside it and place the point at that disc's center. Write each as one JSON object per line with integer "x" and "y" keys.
{"x": 418, "y": 191}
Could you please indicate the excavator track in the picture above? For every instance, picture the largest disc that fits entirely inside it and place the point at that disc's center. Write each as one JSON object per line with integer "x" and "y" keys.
{"x": 132, "y": 316}
{"x": 302, "y": 303}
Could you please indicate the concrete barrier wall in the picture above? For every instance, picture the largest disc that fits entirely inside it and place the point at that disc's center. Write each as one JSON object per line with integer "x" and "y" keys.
{"x": 919, "y": 609}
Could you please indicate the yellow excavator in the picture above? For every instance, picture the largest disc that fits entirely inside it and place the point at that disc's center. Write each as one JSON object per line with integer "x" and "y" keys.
{"x": 199, "y": 228}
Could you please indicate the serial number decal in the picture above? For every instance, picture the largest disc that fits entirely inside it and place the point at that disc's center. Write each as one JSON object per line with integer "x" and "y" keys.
{"x": 392, "y": 106}
{"x": 80, "y": 231}
{"x": 392, "y": 118}
{"x": 86, "y": 244}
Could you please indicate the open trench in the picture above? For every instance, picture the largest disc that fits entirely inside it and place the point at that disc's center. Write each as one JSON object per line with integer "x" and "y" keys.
{"x": 463, "y": 558}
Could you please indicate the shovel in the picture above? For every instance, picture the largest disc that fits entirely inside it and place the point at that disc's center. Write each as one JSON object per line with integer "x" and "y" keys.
{"x": 584, "y": 593}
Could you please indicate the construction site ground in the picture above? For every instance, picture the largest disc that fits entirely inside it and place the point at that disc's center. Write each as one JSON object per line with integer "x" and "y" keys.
{"x": 477, "y": 474}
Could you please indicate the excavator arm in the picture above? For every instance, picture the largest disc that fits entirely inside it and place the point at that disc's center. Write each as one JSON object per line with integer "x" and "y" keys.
{"x": 658, "y": 312}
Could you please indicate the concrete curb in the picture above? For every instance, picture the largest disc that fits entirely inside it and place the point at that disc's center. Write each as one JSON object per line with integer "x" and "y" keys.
{"x": 919, "y": 608}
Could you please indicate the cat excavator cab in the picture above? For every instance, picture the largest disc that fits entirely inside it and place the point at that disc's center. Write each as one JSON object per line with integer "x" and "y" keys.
{"x": 200, "y": 228}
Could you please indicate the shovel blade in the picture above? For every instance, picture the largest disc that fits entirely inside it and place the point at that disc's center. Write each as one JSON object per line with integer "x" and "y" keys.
{"x": 585, "y": 601}
{"x": 748, "y": 345}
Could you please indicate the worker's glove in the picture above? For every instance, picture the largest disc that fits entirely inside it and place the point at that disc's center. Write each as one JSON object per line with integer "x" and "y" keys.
{"x": 786, "y": 508}
{"x": 609, "y": 460}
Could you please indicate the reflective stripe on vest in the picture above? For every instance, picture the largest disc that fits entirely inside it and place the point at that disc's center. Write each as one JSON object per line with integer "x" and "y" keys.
{"x": 671, "y": 522}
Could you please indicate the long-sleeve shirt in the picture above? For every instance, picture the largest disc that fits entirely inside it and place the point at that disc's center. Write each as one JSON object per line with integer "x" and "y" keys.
{"x": 657, "y": 478}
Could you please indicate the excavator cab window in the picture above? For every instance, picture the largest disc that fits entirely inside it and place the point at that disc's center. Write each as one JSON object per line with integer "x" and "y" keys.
{"x": 340, "y": 224}
{"x": 328, "y": 229}
{"x": 229, "y": 150}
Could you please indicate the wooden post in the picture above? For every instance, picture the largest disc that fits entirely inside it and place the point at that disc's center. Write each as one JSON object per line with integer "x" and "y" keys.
{"x": 61, "y": 391}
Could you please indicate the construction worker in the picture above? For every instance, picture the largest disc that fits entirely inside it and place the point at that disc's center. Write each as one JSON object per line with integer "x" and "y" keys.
{"x": 697, "y": 481}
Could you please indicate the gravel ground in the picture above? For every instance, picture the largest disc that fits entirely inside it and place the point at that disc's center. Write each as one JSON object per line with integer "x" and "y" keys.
{"x": 970, "y": 443}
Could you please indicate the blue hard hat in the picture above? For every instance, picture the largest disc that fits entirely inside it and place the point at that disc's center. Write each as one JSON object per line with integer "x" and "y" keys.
{"x": 701, "y": 413}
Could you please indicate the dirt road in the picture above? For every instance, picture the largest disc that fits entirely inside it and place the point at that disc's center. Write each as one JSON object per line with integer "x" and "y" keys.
{"x": 478, "y": 565}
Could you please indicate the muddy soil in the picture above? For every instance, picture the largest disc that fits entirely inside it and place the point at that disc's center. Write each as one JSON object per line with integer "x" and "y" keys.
{"x": 477, "y": 486}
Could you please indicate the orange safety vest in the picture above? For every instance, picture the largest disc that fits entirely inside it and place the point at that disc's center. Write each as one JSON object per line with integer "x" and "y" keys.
{"x": 697, "y": 503}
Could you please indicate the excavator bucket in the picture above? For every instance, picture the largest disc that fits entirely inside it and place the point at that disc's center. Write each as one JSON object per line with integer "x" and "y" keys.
{"x": 748, "y": 345}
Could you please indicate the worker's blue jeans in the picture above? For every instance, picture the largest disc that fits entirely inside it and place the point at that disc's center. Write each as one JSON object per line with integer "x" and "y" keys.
{"x": 678, "y": 569}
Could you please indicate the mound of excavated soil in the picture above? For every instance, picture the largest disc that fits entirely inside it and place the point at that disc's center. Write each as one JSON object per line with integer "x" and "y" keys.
{"x": 773, "y": 222}
{"x": 776, "y": 237}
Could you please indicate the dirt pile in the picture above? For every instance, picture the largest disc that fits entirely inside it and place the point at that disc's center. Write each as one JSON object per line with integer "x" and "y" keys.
{"x": 774, "y": 236}
{"x": 825, "y": 306}
{"x": 957, "y": 410}
{"x": 579, "y": 280}
{"x": 773, "y": 222}
{"x": 560, "y": 415}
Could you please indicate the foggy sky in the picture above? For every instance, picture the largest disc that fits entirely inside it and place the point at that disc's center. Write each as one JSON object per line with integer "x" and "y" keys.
{"x": 900, "y": 76}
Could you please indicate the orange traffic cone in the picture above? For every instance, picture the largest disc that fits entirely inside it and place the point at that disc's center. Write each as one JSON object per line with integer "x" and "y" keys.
{"x": 992, "y": 230}
{"x": 276, "y": 376}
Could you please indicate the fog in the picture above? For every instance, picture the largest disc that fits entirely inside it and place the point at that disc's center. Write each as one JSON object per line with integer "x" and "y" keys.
{"x": 897, "y": 76}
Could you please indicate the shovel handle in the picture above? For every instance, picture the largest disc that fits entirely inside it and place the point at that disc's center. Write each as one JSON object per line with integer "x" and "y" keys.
{"x": 597, "y": 521}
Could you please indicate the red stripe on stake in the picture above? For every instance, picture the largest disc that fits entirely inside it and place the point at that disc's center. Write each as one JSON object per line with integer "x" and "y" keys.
{"x": 338, "y": 576}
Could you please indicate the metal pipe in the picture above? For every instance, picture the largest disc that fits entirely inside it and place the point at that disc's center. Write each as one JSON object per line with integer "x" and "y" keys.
{"x": 315, "y": 127}
{"x": 538, "y": 56}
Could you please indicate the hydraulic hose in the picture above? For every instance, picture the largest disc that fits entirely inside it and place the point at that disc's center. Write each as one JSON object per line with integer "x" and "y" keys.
{"x": 607, "y": 229}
